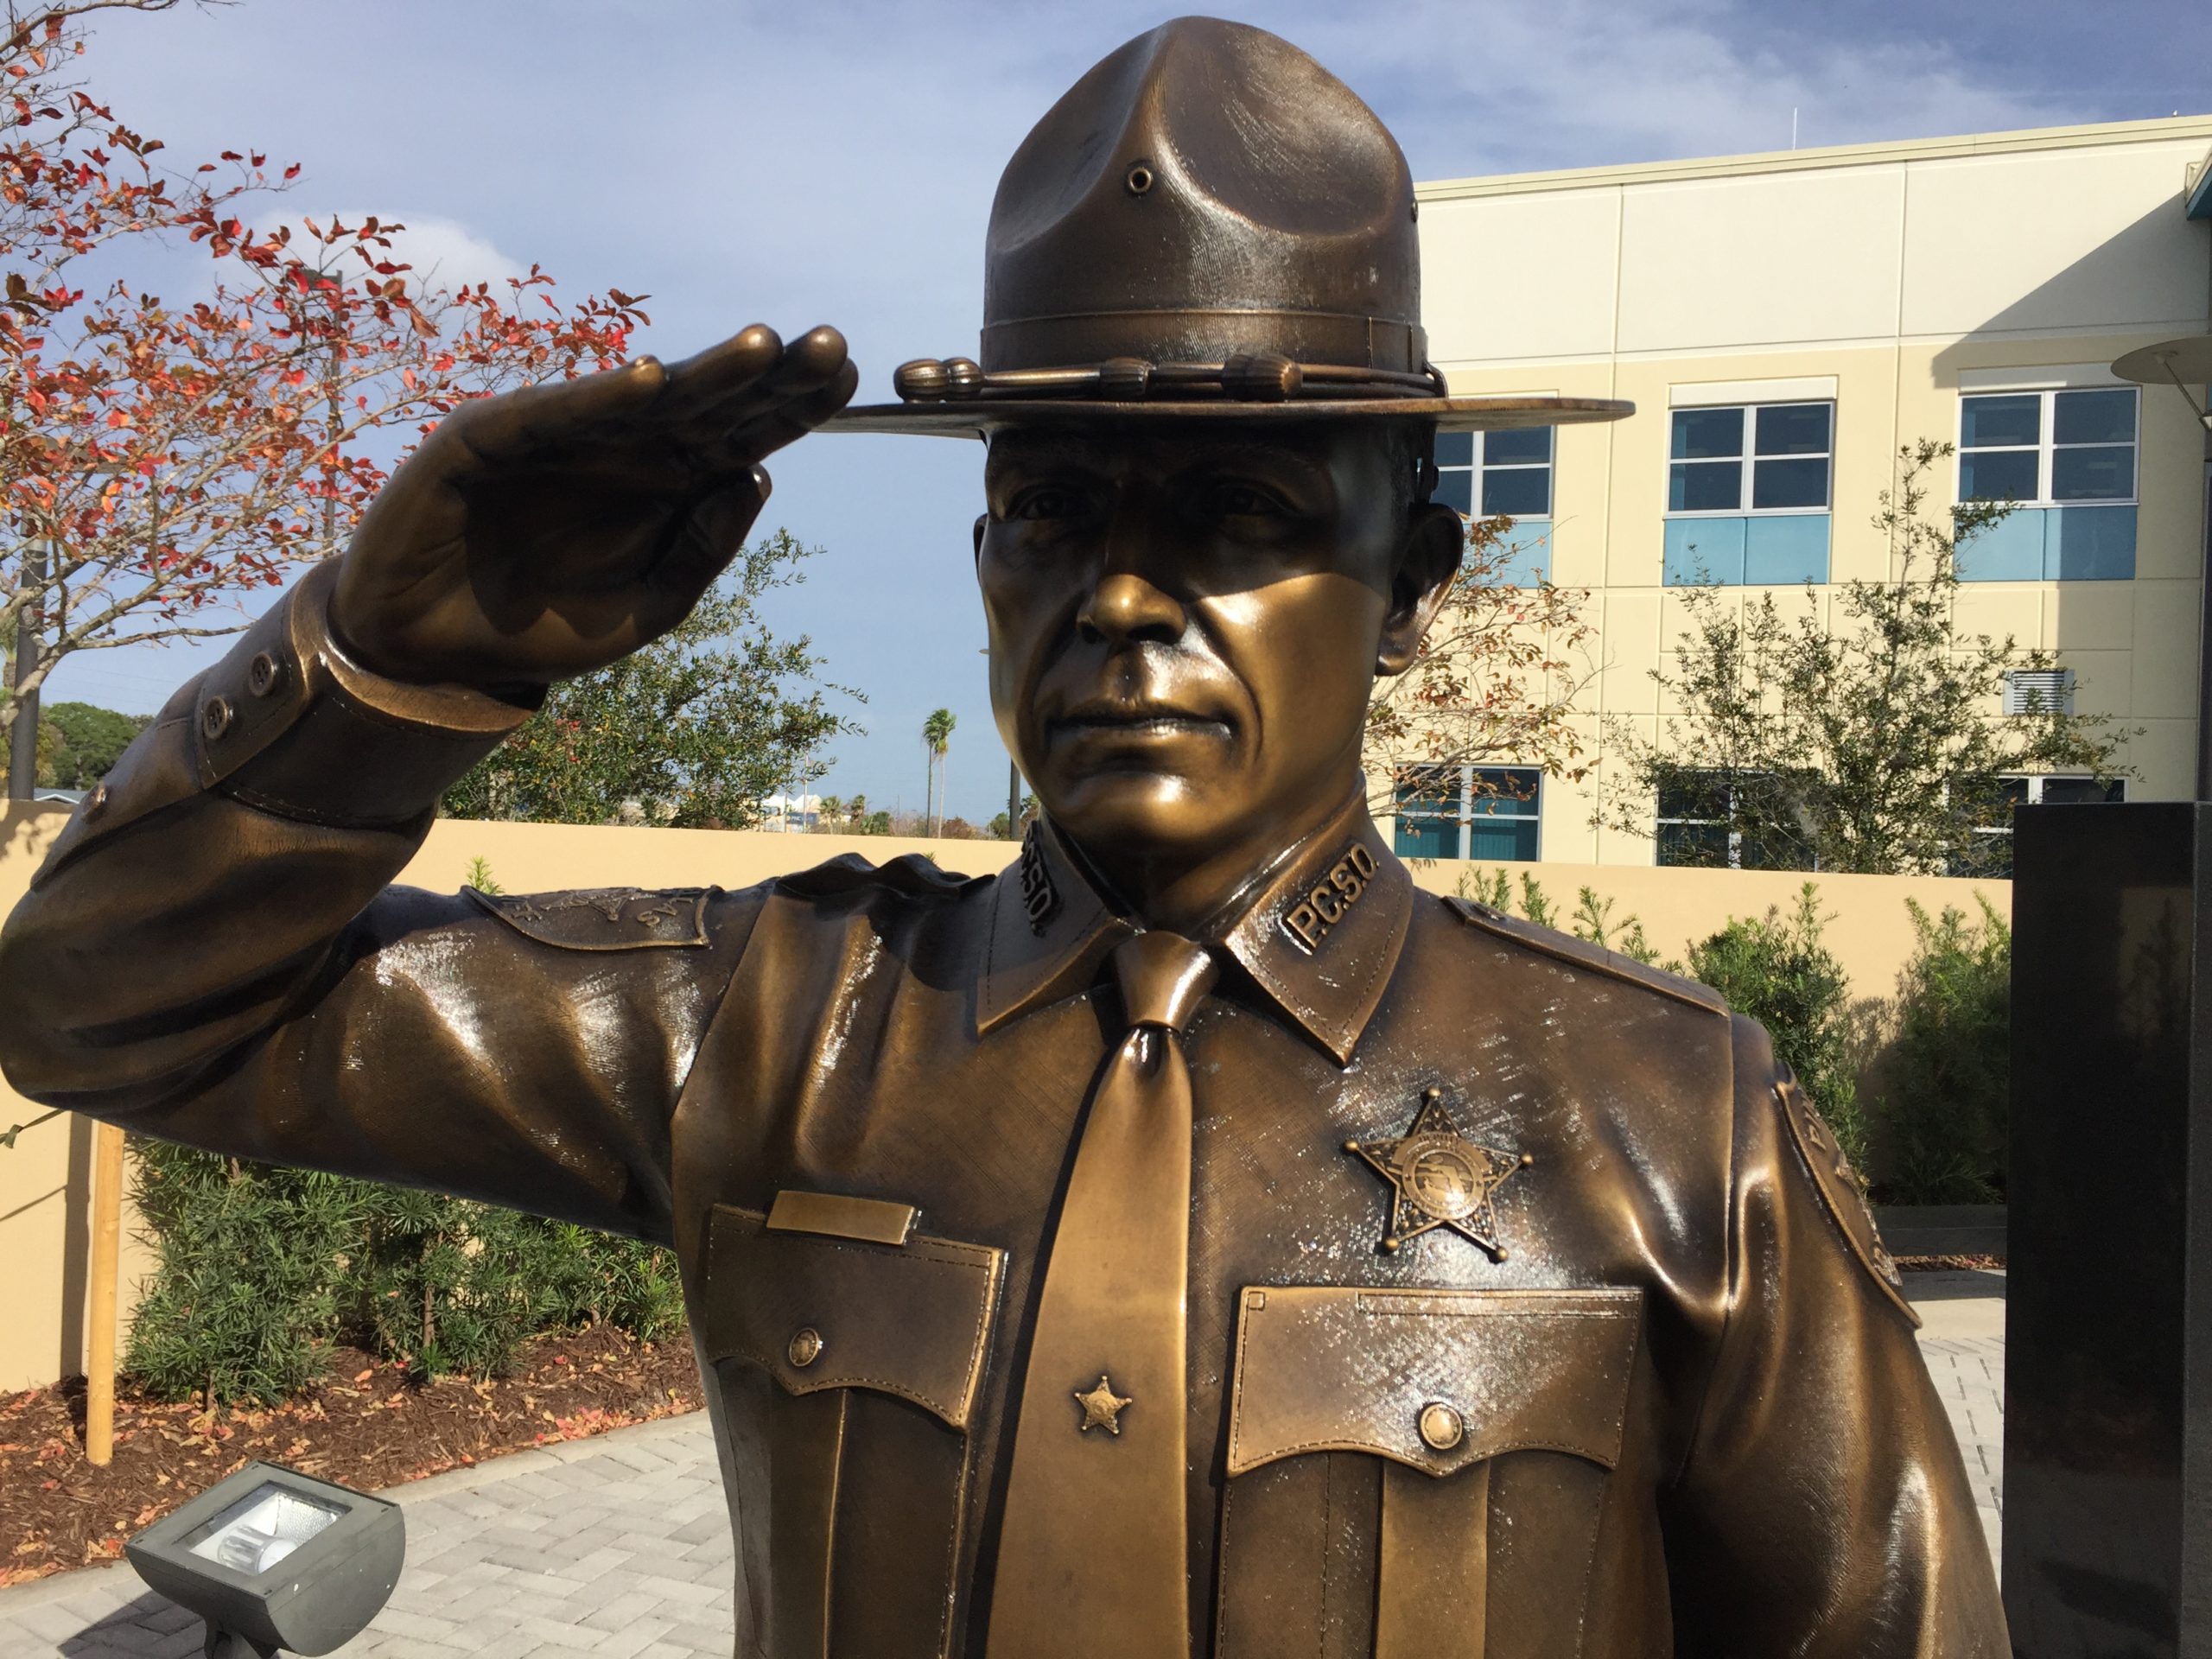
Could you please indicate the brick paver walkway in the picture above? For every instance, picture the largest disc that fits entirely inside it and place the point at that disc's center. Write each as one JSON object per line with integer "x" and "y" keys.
{"x": 620, "y": 1545}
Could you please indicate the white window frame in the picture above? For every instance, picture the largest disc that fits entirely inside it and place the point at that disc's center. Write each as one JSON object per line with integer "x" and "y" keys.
{"x": 1480, "y": 465}
{"x": 1469, "y": 795}
{"x": 1750, "y": 441}
{"x": 2035, "y": 781}
{"x": 2047, "y": 445}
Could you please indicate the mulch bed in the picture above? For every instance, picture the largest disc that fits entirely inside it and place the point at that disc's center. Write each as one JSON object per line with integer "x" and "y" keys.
{"x": 366, "y": 1427}
{"x": 1950, "y": 1263}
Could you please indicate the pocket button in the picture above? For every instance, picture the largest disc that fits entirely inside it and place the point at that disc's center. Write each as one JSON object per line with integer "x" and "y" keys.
{"x": 1441, "y": 1427}
{"x": 805, "y": 1347}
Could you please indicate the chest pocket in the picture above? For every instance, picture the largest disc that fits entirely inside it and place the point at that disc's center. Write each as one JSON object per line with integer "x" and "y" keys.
{"x": 848, "y": 1372}
{"x": 1420, "y": 1473}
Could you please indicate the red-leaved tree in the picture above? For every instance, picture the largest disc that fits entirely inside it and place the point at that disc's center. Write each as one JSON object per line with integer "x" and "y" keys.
{"x": 157, "y": 459}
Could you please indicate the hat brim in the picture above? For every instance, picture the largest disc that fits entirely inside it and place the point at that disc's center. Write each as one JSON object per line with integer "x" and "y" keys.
{"x": 980, "y": 419}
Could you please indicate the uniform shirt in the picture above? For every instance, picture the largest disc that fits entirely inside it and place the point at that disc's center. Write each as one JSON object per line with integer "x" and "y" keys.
{"x": 1636, "y": 1380}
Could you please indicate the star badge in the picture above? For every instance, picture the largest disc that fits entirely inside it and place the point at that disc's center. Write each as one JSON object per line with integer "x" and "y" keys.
{"x": 1439, "y": 1178}
{"x": 1102, "y": 1407}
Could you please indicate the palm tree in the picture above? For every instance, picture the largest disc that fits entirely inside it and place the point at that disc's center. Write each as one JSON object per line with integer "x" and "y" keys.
{"x": 936, "y": 737}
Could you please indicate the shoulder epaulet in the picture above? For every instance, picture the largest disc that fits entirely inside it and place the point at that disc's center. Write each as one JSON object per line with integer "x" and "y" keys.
{"x": 910, "y": 873}
{"x": 1841, "y": 1191}
{"x": 604, "y": 919}
{"x": 1593, "y": 958}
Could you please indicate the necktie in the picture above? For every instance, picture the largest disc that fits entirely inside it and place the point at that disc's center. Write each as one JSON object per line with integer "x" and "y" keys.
{"x": 1092, "y": 1563}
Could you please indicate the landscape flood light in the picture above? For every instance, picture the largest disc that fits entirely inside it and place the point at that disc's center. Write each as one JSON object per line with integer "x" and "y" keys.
{"x": 274, "y": 1561}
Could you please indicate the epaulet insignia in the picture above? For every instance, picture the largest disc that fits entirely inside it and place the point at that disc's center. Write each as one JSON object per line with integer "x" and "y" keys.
{"x": 1580, "y": 953}
{"x": 1837, "y": 1184}
{"x": 850, "y": 873}
{"x": 604, "y": 919}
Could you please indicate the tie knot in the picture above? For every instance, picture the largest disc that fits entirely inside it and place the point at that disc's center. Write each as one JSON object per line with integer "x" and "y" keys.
{"x": 1163, "y": 977}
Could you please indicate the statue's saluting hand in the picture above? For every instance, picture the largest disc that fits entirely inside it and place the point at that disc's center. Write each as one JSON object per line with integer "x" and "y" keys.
{"x": 549, "y": 531}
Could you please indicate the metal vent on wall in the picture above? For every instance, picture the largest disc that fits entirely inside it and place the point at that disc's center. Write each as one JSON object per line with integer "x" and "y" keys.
{"x": 2047, "y": 691}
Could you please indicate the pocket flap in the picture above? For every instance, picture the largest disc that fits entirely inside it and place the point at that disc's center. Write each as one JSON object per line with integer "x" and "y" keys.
{"x": 1433, "y": 1379}
{"x": 817, "y": 1311}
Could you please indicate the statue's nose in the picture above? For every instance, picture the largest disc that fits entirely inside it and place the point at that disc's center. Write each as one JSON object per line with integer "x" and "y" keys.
{"x": 1124, "y": 608}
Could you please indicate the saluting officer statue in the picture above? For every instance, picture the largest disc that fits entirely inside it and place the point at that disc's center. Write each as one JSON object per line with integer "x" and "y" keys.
{"x": 1193, "y": 1241}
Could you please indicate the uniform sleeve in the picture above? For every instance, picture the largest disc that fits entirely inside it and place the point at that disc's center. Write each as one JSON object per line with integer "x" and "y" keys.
{"x": 1823, "y": 1511}
{"x": 211, "y": 954}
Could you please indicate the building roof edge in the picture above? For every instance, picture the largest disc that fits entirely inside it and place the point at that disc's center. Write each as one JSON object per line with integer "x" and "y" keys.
{"x": 1874, "y": 155}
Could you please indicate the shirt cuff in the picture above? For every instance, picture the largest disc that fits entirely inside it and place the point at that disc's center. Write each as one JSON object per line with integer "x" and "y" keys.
{"x": 288, "y": 723}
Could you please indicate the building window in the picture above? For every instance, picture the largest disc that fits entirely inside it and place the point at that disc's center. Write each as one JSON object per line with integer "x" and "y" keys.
{"x": 2067, "y": 459}
{"x": 1504, "y": 475}
{"x": 1991, "y": 856}
{"x": 1468, "y": 812}
{"x": 1748, "y": 494}
{"x": 1702, "y": 820}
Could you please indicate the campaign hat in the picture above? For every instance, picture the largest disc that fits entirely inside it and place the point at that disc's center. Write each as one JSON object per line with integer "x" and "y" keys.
{"x": 1208, "y": 225}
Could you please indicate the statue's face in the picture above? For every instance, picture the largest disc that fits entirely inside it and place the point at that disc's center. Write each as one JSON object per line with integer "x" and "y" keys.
{"x": 1185, "y": 623}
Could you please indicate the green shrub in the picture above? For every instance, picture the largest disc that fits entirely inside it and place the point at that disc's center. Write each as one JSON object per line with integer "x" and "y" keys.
{"x": 261, "y": 1268}
{"x": 1592, "y": 920}
{"x": 243, "y": 1304}
{"x": 1946, "y": 1110}
{"x": 1778, "y": 971}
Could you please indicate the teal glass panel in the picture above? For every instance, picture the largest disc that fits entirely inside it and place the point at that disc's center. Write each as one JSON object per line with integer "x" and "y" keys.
{"x": 2102, "y": 417}
{"x": 1524, "y": 557}
{"x": 2100, "y": 471}
{"x": 1998, "y": 475}
{"x": 1704, "y": 487}
{"x": 1503, "y": 838}
{"x": 1794, "y": 429}
{"x": 2009, "y": 550}
{"x": 1456, "y": 490}
{"x": 1523, "y": 445}
{"x": 1418, "y": 836}
{"x": 1786, "y": 552}
{"x": 1789, "y": 483}
{"x": 1455, "y": 448}
{"x": 1520, "y": 492}
{"x": 2089, "y": 543}
{"x": 2012, "y": 418}
{"x": 1706, "y": 434}
{"x": 1704, "y": 549}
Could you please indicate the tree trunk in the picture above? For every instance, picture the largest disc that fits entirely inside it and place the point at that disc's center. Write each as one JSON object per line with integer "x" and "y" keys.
{"x": 23, "y": 733}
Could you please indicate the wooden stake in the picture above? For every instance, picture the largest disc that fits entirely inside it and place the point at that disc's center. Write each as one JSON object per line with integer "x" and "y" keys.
{"x": 107, "y": 1252}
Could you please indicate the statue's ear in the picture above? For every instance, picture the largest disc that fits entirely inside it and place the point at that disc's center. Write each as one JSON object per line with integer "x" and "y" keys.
{"x": 1428, "y": 563}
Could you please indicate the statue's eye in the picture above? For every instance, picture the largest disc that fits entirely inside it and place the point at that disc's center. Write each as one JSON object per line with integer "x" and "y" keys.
{"x": 1047, "y": 501}
{"x": 1230, "y": 499}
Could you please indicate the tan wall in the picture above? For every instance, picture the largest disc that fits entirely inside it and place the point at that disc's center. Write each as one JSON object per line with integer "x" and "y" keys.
{"x": 1901, "y": 273}
{"x": 44, "y": 1180}
{"x": 1869, "y": 930}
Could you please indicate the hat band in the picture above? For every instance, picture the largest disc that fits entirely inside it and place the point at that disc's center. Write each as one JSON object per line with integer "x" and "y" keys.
{"x": 1204, "y": 335}
{"x": 1262, "y": 377}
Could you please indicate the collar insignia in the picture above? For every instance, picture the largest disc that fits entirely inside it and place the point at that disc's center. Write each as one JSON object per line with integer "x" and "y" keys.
{"x": 1439, "y": 1178}
{"x": 1040, "y": 900}
{"x": 1314, "y": 912}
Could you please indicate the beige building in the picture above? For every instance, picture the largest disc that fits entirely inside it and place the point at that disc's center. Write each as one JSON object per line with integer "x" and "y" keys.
{"x": 1783, "y": 323}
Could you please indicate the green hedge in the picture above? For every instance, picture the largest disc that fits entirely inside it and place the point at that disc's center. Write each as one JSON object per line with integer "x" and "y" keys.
{"x": 261, "y": 1269}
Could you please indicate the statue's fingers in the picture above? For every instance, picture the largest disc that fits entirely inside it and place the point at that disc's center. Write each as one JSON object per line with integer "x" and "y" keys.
{"x": 723, "y": 371}
{"x": 707, "y": 539}
{"x": 554, "y": 412}
{"x": 762, "y": 428}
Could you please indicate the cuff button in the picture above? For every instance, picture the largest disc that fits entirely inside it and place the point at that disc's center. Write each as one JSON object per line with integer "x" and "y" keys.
{"x": 264, "y": 676}
{"x": 1441, "y": 1428}
{"x": 214, "y": 718}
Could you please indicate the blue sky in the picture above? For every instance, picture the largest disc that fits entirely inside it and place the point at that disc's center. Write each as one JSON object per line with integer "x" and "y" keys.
{"x": 833, "y": 162}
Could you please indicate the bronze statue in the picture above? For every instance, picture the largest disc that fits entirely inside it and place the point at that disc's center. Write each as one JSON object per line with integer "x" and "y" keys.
{"x": 1193, "y": 1240}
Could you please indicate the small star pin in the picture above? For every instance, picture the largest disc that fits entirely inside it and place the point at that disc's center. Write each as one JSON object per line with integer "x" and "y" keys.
{"x": 1102, "y": 1407}
{"x": 1439, "y": 1178}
